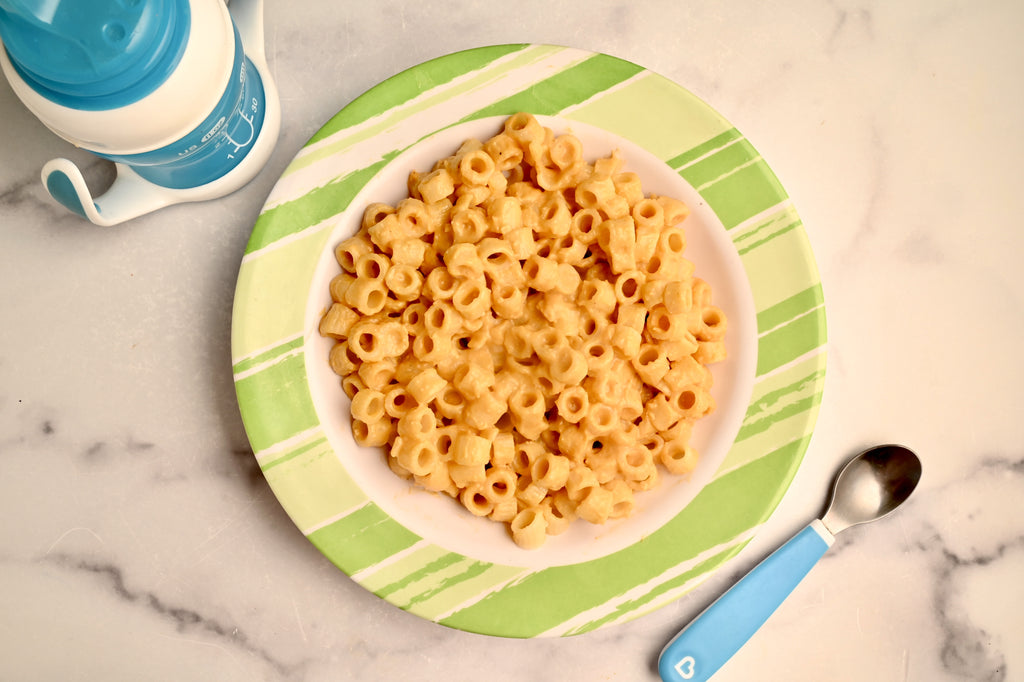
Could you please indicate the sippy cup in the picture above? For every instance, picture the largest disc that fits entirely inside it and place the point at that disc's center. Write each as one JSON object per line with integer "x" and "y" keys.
{"x": 175, "y": 92}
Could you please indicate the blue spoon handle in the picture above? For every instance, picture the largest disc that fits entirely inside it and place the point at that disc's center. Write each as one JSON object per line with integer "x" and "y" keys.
{"x": 704, "y": 646}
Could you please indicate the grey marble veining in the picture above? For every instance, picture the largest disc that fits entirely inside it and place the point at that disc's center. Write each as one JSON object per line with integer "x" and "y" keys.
{"x": 140, "y": 541}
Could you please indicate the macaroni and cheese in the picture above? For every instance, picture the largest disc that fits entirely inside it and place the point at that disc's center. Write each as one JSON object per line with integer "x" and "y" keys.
{"x": 524, "y": 333}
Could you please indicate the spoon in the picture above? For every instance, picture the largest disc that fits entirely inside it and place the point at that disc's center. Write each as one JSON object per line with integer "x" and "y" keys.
{"x": 871, "y": 485}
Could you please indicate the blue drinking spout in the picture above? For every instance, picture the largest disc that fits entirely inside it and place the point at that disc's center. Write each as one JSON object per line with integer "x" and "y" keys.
{"x": 94, "y": 55}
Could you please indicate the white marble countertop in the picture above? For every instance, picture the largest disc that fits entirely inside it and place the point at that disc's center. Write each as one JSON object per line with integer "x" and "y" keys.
{"x": 140, "y": 541}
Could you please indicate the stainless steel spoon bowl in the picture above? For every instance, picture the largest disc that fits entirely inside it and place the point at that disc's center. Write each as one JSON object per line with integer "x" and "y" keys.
{"x": 870, "y": 486}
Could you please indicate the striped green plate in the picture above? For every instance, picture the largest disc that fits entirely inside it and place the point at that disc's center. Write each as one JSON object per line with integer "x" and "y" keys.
{"x": 420, "y": 551}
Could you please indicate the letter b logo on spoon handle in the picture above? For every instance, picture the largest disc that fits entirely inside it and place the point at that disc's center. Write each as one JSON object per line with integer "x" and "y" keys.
{"x": 685, "y": 667}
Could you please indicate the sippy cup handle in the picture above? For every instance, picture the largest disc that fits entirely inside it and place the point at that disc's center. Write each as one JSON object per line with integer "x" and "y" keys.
{"x": 129, "y": 197}
{"x": 248, "y": 18}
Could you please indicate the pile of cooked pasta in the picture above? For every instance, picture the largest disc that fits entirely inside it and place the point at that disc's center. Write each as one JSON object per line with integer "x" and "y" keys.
{"x": 524, "y": 334}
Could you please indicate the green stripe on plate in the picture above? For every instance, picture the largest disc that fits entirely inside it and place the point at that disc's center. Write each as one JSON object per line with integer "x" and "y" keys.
{"x": 732, "y": 177}
{"x": 636, "y": 110}
{"x": 439, "y": 581}
{"x": 315, "y": 445}
{"x": 779, "y": 269}
{"x": 410, "y": 84}
{"x": 345, "y": 138}
{"x": 267, "y": 356}
{"x": 313, "y": 207}
{"x": 405, "y": 590}
{"x": 782, "y": 409}
{"x": 715, "y": 143}
{"x": 469, "y": 586}
{"x": 791, "y": 340}
{"x": 542, "y": 601}
{"x": 313, "y": 485}
{"x": 363, "y": 538}
{"x": 797, "y": 398}
{"x": 768, "y": 227}
{"x": 568, "y": 87}
{"x": 390, "y": 577}
{"x": 786, "y": 310}
{"x": 274, "y": 314}
{"x": 432, "y": 580}
{"x": 632, "y": 608}
{"x": 718, "y": 165}
{"x": 743, "y": 193}
{"x": 782, "y": 229}
{"x": 271, "y": 391}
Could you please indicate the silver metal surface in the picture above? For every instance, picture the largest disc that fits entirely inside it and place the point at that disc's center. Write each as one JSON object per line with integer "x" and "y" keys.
{"x": 871, "y": 485}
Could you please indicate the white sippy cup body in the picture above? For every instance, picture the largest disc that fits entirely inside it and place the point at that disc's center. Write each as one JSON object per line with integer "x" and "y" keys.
{"x": 196, "y": 120}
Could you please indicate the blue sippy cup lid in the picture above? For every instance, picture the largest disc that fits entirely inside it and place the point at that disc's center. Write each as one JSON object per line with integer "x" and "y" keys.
{"x": 95, "y": 54}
